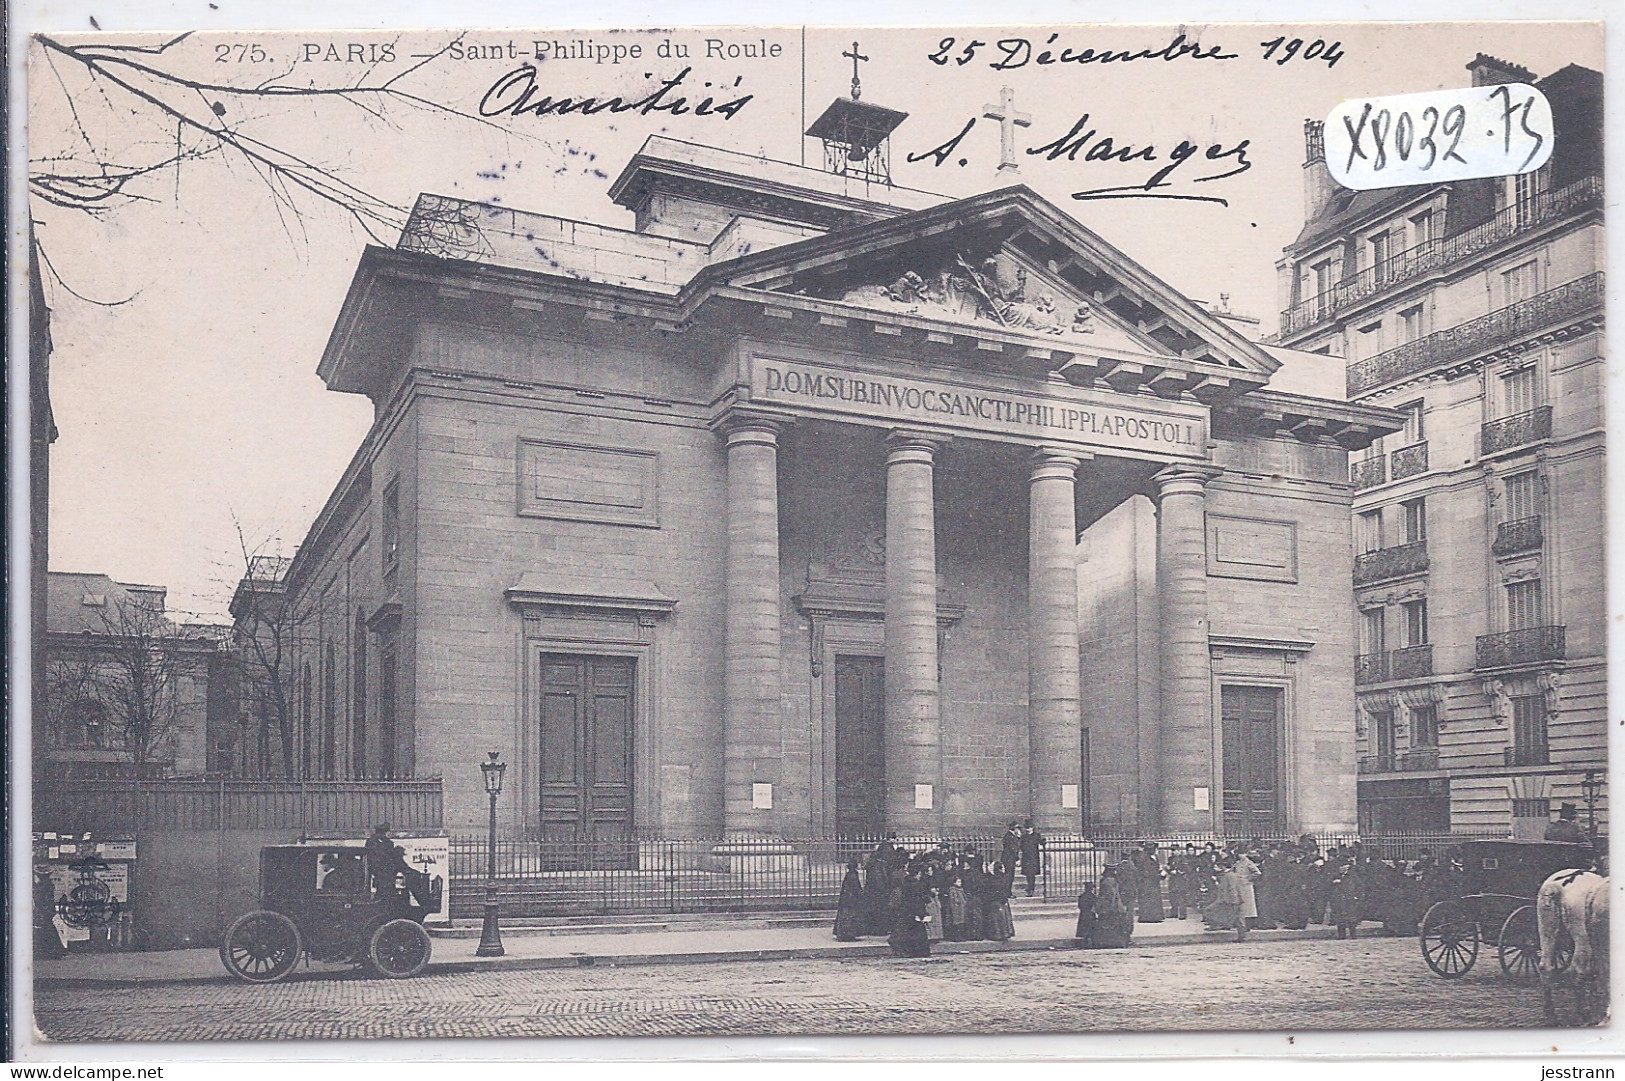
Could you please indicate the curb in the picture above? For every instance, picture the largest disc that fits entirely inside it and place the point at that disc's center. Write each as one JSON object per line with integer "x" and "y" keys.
{"x": 612, "y": 960}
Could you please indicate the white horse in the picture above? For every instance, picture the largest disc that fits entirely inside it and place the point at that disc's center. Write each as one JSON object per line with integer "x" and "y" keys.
{"x": 1575, "y": 903}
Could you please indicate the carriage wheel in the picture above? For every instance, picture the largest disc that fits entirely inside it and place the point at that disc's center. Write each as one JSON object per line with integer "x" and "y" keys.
{"x": 1519, "y": 946}
{"x": 1449, "y": 939}
{"x": 400, "y": 948}
{"x": 261, "y": 947}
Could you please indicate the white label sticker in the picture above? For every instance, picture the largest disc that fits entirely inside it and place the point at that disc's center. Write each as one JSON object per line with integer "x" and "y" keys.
{"x": 1438, "y": 136}
{"x": 922, "y": 797}
{"x": 761, "y": 796}
{"x": 1202, "y": 800}
{"x": 1069, "y": 797}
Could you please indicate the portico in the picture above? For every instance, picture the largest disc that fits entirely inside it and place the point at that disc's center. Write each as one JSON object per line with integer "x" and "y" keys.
{"x": 955, "y": 517}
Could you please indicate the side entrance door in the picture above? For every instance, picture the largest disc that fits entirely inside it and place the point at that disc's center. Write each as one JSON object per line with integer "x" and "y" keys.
{"x": 860, "y": 746}
{"x": 1251, "y": 730}
{"x": 586, "y": 756}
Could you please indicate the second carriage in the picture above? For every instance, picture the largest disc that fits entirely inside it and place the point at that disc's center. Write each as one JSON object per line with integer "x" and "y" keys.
{"x": 1494, "y": 907}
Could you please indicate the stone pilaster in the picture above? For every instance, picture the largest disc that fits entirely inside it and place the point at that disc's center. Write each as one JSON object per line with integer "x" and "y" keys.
{"x": 752, "y": 708}
{"x": 1181, "y": 759}
{"x": 1053, "y": 712}
{"x": 913, "y": 696}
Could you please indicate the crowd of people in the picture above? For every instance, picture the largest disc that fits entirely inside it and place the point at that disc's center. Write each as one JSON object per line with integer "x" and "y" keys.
{"x": 1244, "y": 887}
{"x": 916, "y": 898}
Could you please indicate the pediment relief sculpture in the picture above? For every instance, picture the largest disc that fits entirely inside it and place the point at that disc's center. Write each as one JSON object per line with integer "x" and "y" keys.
{"x": 995, "y": 290}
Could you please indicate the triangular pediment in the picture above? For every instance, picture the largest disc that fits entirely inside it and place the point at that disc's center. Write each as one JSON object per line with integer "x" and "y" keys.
{"x": 1007, "y": 260}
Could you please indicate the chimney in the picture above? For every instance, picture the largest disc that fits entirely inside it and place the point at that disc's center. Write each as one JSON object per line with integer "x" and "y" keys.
{"x": 1317, "y": 181}
{"x": 1493, "y": 71}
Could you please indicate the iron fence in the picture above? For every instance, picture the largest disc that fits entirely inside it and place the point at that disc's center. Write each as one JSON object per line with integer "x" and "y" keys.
{"x": 638, "y": 875}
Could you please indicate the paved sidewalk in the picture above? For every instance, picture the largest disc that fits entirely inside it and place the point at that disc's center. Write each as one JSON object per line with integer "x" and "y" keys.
{"x": 718, "y": 941}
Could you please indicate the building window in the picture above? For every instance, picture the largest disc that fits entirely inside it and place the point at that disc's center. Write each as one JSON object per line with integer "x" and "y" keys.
{"x": 84, "y": 726}
{"x": 1416, "y": 622}
{"x": 1422, "y": 227}
{"x": 305, "y": 694}
{"x": 358, "y": 701}
{"x": 1424, "y": 726}
{"x": 330, "y": 711}
{"x": 1518, "y": 392}
{"x": 1520, "y": 496}
{"x": 1370, "y": 531}
{"x": 1410, "y": 324}
{"x": 1372, "y": 639}
{"x": 1523, "y": 604}
{"x": 1518, "y": 283}
{"x": 1369, "y": 342}
{"x": 1382, "y": 733}
{"x": 1529, "y": 729}
{"x": 386, "y": 705}
{"x": 1416, "y": 520}
{"x": 1381, "y": 249}
{"x": 1540, "y": 807}
{"x": 1320, "y": 277}
{"x": 391, "y": 525}
{"x": 1414, "y": 432}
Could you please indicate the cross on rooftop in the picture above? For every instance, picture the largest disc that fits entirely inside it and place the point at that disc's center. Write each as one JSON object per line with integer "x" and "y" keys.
{"x": 855, "y": 56}
{"x": 1005, "y": 113}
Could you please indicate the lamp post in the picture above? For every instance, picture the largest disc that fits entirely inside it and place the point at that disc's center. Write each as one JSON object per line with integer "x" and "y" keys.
{"x": 491, "y": 933}
{"x": 1591, "y": 788}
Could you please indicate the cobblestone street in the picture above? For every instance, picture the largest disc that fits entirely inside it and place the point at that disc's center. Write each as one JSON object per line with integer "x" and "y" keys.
{"x": 1295, "y": 986}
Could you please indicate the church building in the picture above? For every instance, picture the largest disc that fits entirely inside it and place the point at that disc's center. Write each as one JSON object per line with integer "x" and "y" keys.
{"x": 815, "y": 506}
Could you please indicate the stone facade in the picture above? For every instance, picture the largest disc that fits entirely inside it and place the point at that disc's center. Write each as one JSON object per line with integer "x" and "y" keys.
{"x": 782, "y": 537}
{"x": 1475, "y": 309}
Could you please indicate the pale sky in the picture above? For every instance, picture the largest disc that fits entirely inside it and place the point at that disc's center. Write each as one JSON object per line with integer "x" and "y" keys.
{"x": 198, "y": 398}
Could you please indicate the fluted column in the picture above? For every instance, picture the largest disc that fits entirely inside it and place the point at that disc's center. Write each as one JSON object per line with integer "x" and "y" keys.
{"x": 1183, "y": 751}
{"x": 913, "y": 698}
{"x": 752, "y": 751}
{"x": 1054, "y": 738}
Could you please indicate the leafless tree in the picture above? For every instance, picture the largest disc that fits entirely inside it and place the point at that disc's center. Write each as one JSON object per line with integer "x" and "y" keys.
{"x": 270, "y": 633}
{"x": 137, "y": 659}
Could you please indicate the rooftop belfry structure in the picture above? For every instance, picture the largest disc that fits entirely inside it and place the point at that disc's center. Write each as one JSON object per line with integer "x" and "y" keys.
{"x": 856, "y": 133}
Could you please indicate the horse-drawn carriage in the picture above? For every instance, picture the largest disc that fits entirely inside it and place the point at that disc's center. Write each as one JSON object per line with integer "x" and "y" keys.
{"x": 1495, "y": 905}
{"x": 333, "y": 903}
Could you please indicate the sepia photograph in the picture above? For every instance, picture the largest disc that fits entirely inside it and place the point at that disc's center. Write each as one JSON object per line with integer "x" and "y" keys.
{"x": 814, "y": 531}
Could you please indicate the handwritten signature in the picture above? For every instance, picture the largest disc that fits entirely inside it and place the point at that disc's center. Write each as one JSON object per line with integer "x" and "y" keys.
{"x": 1085, "y": 141}
{"x": 515, "y": 94}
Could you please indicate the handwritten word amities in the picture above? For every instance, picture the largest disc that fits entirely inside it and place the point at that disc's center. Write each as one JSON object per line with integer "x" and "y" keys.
{"x": 1014, "y": 53}
{"x": 517, "y": 94}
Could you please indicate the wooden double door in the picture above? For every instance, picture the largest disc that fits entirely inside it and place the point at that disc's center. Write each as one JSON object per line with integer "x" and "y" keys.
{"x": 1252, "y": 723}
{"x": 860, "y": 746}
{"x": 587, "y": 719}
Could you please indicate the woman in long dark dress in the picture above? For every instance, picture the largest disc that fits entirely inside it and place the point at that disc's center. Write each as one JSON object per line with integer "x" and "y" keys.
{"x": 909, "y": 938}
{"x": 955, "y": 916}
{"x": 973, "y": 878}
{"x": 1088, "y": 917}
{"x": 876, "y": 889}
{"x": 849, "y": 910}
{"x": 1114, "y": 922}
{"x": 997, "y": 922}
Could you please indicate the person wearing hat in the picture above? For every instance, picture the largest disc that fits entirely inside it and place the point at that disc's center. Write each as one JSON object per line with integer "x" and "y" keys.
{"x": 384, "y": 860}
{"x": 1567, "y": 826}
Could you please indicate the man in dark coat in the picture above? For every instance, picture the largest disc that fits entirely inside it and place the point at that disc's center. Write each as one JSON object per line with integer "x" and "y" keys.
{"x": 1010, "y": 852}
{"x": 1032, "y": 855}
{"x": 1567, "y": 826}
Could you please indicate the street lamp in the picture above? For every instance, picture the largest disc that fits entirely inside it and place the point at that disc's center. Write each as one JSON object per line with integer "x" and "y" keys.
{"x": 1591, "y": 788}
{"x": 491, "y": 932}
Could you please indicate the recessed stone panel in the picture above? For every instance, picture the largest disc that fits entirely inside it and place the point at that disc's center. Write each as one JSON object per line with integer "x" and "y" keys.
{"x": 1254, "y": 548}
{"x": 584, "y": 483}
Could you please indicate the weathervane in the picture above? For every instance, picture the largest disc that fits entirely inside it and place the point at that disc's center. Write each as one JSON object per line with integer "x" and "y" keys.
{"x": 857, "y": 88}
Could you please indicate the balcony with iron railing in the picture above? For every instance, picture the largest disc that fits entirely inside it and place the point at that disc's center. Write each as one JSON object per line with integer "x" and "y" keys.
{"x": 1518, "y": 430}
{"x": 1368, "y": 473}
{"x": 1444, "y": 253}
{"x": 1520, "y": 535}
{"x": 1412, "y": 662}
{"x": 1381, "y": 564}
{"x": 1530, "y": 754}
{"x": 1528, "y": 645}
{"x": 1415, "y": 760}
{"x": 1370, "y": 668}
{"x": 1500, "y": 327}
{"x": 1408, "y": 461}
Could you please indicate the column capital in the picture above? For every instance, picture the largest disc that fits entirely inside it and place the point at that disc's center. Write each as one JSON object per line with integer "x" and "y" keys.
{"x": 1185, "y": 478}
{"x": 1056, "y": 463}
{"x": 913, "y": 445}
{"x": 742, "y": 426}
